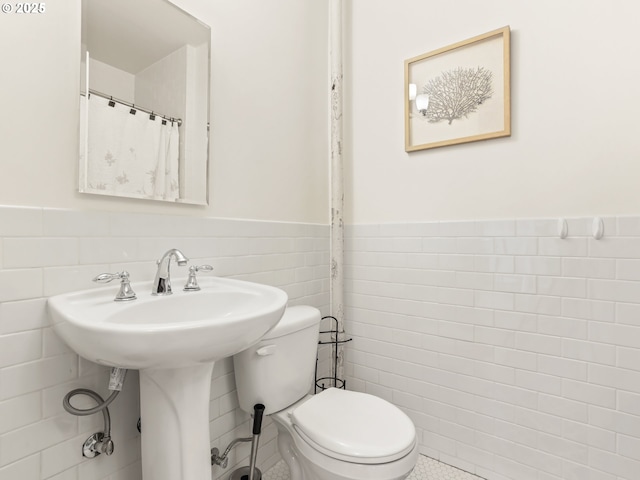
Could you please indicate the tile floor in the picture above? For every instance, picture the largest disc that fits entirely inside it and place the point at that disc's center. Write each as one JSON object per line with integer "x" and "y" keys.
{"x": 426, "y": 469}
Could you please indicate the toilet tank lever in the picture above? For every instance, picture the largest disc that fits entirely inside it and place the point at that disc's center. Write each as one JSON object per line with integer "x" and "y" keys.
{"x": 266, "y": 350}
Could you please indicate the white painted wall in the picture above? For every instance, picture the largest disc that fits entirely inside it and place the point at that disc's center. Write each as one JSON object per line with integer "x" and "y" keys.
{"x": 107, "y": 79}
{"x": 574, "y": 147}
{"x": 164, "y": 84}
{"x": 269, "y": 111}
{"x": 195, "y": 133}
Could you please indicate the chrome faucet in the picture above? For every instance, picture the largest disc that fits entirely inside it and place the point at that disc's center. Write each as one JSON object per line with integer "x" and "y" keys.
{"x": 162, "y": 283}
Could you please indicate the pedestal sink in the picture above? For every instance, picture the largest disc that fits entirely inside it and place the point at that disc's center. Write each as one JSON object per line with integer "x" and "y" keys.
{"x": 174, "y": 341}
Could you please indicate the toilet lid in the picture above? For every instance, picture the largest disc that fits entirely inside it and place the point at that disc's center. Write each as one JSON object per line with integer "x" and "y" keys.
{"x": 355, "y": 426}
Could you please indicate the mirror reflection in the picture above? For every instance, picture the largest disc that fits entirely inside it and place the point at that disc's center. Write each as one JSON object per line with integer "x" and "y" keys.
{"x": 144, "y": 101}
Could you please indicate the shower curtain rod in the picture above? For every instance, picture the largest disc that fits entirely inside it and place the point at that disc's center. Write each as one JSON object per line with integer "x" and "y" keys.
{"x": 135, "y": 107}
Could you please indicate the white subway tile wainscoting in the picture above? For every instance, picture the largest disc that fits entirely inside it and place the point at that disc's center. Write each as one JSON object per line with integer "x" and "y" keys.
{"x": 46, "y": 251}
{"x": 515, "y": 352}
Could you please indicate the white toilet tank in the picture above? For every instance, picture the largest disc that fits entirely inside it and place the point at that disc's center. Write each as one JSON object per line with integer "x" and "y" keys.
{"x": 279, "y": 370}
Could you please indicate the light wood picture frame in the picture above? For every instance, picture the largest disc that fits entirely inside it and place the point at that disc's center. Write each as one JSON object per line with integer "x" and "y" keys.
{"x": 459, "y": 93}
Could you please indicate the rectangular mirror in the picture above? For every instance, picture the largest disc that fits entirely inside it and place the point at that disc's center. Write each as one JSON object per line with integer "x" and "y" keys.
{"x": 144, "y": 101}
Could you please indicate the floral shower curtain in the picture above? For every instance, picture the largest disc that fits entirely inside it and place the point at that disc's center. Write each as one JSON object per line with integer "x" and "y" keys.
{"x": 129, "y": 154}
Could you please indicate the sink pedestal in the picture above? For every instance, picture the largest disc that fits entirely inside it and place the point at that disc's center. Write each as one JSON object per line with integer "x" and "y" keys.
{"x": 174, "y": 406}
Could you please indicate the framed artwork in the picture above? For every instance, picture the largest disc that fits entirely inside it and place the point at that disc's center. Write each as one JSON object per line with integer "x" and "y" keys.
{"x": 459, "y": 93}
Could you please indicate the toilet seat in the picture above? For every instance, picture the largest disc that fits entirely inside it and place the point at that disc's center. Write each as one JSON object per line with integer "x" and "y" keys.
{"x": 354, "y": 427}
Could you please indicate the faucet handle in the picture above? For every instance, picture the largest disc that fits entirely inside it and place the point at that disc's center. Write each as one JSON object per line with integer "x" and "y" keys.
{"x": 107, "y": 277}
{"x": 126, "y": 292}
{"x": 192, "y": 281}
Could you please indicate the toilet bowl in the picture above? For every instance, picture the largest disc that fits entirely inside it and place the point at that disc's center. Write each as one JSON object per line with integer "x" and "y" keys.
{"x": 335, "y": 434}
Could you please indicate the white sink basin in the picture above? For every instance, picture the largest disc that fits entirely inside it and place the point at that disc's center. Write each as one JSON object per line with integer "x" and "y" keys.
{"x": 183, "y": 329}
{"x": 174, "y": 341}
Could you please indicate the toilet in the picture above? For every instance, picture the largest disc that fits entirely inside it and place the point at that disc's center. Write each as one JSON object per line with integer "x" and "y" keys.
{"x": 333, "y": 435}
